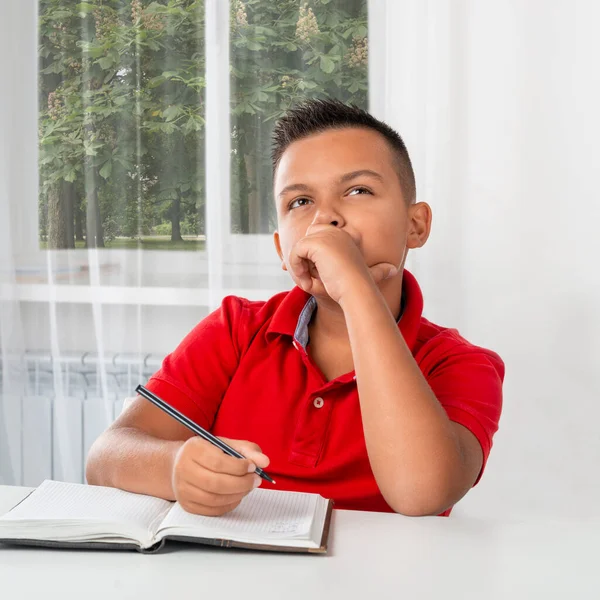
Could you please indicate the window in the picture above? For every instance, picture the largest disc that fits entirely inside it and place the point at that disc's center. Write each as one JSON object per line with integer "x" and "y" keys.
{"x": 121, "y": 125}
{"x": 122, "y": 112}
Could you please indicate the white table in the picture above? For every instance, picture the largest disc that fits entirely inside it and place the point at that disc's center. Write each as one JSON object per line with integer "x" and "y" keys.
{"x": 371, "y": 555}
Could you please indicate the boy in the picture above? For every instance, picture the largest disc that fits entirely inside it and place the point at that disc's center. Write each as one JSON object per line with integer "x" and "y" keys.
{"x": 339, "y": 386}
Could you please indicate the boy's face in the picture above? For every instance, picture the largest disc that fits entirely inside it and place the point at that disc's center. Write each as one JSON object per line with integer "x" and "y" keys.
{"x": 347, "y": 176}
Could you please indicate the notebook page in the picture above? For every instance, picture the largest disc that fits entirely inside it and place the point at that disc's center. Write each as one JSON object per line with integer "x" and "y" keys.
{"x": 60, "y": 501}
{"x": 262, "y": 514}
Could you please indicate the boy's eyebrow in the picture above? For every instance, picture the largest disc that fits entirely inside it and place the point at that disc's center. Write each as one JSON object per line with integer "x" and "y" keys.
{"x": 302, "y": 187}
{"x": 294, "y": 187}
{"x": 361, "y": 173}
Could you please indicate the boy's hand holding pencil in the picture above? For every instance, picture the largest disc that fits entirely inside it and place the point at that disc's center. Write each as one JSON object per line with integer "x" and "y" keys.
{"x": 208, "y": 482}
{"x": 210, "y": 474}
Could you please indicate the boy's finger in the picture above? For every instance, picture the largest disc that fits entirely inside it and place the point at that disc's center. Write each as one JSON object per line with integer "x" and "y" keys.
{"x": 208, "y": 511}
{"x": 298, "y": 258}
{"x": 222, "y": 483}
{"x": 214, "y": 459}
{"x": 200, "y": 476}
{"x": 251, "y": 451}
{"x": 193, "y": 493}
{"x": 300, "y": 269}
{"x": 312, "y": 269}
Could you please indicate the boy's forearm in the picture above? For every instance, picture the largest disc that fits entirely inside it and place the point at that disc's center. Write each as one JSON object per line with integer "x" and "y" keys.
{"x": 413, "y": 448}
{"x": 132, "y": 460}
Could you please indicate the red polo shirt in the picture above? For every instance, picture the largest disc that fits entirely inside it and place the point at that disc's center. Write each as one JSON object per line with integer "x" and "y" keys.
{"x": 244, "y": 373}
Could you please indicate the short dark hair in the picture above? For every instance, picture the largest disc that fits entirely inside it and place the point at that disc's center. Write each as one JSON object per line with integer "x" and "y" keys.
{"x": 318, "y": 115}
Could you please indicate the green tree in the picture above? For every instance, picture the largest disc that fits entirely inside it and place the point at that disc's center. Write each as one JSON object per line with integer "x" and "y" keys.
{"x": 121, "y": 128}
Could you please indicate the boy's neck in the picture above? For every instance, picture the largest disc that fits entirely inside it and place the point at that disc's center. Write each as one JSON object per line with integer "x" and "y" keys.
{"x": 329, "y": 321}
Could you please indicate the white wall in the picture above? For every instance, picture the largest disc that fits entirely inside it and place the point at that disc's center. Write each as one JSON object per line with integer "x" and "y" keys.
{"x": 125, "y": 329}
{"x": 498, "y": 103}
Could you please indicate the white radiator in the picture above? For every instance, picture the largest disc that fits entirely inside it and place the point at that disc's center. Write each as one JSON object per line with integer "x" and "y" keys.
{"x": 46, "y": 432}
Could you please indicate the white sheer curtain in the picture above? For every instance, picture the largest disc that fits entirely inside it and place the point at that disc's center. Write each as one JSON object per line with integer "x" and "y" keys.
{"x": 497, "y": 104}
{"x": 80, "y": 327}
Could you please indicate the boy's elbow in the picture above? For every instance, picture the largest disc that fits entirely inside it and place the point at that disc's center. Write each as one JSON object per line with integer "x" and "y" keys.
{"x": 95, "y": 463}
{"x": 90, "y": 473}
{"x": 424, "y": 508}
{"x": 424, "y": 499}
{"x": 91, "y": 467}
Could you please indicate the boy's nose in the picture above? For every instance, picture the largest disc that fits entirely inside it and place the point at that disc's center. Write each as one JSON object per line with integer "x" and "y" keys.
{"x": 329, "y": 217}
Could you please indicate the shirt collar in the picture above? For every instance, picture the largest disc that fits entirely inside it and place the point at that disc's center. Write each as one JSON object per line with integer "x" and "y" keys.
{"x": 295, "y": 311}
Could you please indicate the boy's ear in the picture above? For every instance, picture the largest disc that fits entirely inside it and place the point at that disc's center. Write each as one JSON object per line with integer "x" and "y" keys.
{"x": 419, "y": 224}
{"x": 278, "y": 248}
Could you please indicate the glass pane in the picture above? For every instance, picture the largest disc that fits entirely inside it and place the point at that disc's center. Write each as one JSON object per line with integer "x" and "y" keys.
{"x": 283, "y": 51}
{"x": 121, "y": 124}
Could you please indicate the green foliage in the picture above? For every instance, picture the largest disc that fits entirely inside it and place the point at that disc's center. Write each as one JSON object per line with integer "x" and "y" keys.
{"x": 121, "y": 94}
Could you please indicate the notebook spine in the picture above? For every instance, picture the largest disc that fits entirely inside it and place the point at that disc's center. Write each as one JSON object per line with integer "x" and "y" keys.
{"x": 152, "y": 549}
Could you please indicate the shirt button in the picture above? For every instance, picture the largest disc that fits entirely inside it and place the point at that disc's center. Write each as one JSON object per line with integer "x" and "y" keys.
{"x": 318, "y": 402}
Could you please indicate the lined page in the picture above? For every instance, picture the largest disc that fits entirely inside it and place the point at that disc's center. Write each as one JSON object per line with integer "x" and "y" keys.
{"x": 60, "y": 501}
{"x": 262, "y": 514}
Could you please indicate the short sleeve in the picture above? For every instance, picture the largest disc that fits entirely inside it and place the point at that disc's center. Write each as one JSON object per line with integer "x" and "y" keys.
{"x": 467, "y": 381}
{"x": 196, "y": 375}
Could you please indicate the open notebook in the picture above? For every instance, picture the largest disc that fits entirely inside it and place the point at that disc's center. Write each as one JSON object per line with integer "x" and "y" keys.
{"x": 59, "y": 514}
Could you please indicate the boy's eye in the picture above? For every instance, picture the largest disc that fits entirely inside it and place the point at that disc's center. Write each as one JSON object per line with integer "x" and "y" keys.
{"x": 297, "y": 200}
{"x": 362, "y": 190}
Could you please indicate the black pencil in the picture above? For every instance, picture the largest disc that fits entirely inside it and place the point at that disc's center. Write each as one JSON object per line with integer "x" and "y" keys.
{"x": 209, "y": 437}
